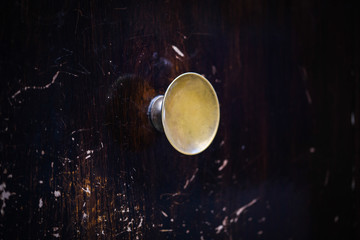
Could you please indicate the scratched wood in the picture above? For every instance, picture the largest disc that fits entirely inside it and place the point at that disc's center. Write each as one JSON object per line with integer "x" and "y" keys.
{"x": 80, "y": 160}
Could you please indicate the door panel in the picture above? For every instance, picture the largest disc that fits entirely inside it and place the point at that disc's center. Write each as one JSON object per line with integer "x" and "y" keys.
{"x": 80, "y": 159}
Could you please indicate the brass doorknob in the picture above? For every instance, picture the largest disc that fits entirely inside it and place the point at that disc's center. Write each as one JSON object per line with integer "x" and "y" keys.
{"x": 188, "y": 113}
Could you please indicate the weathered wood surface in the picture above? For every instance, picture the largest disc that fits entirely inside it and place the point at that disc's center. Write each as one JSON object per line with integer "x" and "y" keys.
{"x": 79, "y": 158}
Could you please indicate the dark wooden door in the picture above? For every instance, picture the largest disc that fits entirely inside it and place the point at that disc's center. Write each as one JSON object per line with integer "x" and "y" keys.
{"x": 80, "y": 160}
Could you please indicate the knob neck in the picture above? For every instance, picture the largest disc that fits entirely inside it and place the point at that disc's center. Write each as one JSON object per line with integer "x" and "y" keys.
{"x": 154, "y": 112}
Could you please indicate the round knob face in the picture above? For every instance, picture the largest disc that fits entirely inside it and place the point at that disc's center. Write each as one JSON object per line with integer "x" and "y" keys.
{"x": 190, "y": 113}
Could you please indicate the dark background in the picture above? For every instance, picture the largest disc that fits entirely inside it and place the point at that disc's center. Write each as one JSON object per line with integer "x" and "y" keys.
{"x": 79, "y": 158}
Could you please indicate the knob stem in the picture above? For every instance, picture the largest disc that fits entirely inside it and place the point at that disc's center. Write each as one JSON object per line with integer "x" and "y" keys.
{"x": 154, "y": 112}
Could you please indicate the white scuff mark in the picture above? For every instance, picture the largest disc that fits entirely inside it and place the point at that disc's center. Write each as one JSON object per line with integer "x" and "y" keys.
{"x": 52, "y": 164}
{"x": 165, "y": 230}
{"x": 164, "y": 213}
{"x": 57, "y": 235}
{"x": 308, "y": 96}
{"x": 80, "y": 130}
{"x": 88, "y": 156}
{"x": 140, "y": 224}
{"x": 10, "y": 176}
{"x": 57, "y": 193}
{"x": 41, "y": 181}
{"x": 352, "y": 119}
{"x": 263, "y": 219}
{"x": 260, "y": 232}
{"x": 217, "y": 80}
{"x": 222, "y": 143}
{"x": 87, "y": 190}
{"x": 221, "y": 227}
{"x": 40, "y": 203}
{"x": 223, "y": 165}
{"x": 89, "y": 151}
{"x": 177, "y": 50}
{"x": 5, "y": 195}
{"x": 85, "y": 216}
{"x": 312, "y": 150}
{"x": 327, "y": 176}
{"x": 188, "y": 181}
{"x": 242, "y": 209}
{"x": 213, "y": 69}
{"x": 42, "y": 152}
{"x": 128, "y": 227}
{"x": 36, "y": 87}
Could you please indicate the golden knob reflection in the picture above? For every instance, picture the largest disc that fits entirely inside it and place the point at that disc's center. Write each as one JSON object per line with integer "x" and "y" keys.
{"x": 188, "y": 113}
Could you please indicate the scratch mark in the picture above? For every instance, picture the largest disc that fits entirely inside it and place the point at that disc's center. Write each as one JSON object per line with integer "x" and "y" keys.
{"x": 241, "y": 210}
{"x": 222, "y": 226}
{"x": 36, "y": 87}
{"x": 237, "y": 213}
{"x": 80, "y": 130}
{"x": 225, "y": 162}
{"x": 140, "y": 224}
{"x": 87, "y": 190}
{"x": 191, "y": 179}
{"x": 164, "y": 213}
{"x": 177, "y": 50}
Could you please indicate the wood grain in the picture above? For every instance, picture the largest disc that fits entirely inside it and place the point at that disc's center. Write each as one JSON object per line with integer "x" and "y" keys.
{"x": 79, "y": 158}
